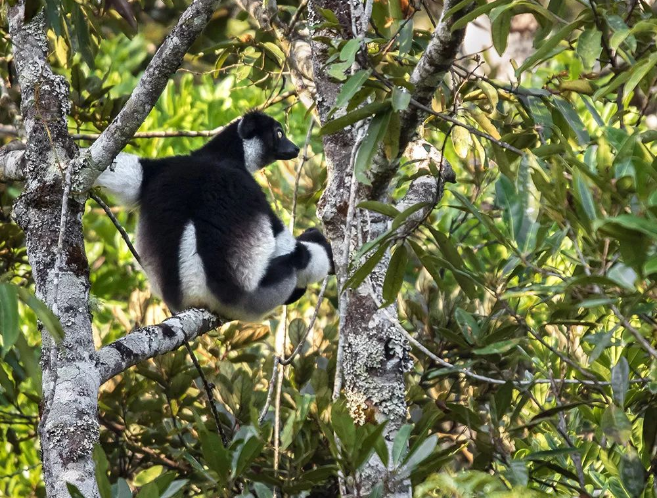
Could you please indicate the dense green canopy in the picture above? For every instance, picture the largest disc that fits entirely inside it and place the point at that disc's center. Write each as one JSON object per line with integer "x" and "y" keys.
{"x": 533, "y": 279}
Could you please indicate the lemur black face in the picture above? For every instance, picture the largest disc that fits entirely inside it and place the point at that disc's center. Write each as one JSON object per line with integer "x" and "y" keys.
{"x": 264, "y": 141}
{"x": 285, "y": 148}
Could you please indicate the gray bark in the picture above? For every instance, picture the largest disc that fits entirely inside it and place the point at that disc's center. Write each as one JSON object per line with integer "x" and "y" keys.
{"x": 148, "y": 342}
{"x": 72, "y": 371}
{"x": 69, "y": 375}
{"x": 373, "y": 354}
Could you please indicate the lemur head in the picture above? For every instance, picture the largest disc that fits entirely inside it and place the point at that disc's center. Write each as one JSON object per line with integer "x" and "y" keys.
{"x": 264, "y": 141}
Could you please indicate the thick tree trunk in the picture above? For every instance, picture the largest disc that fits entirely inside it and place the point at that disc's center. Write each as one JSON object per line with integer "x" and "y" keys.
{"x": 73, "y": 371}
{"x": 374, "y": 355}
{"x": 68, "y": 428}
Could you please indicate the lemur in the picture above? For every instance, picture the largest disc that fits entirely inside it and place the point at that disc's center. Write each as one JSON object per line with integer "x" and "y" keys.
{"x": 206, "y": 234}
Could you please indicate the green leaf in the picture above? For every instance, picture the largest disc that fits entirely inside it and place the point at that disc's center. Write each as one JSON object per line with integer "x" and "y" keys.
{"x": 400, "y": 99}
{"x": 250, "y": 450}
{"x": 263, "y": 491}
{"x": 620, "y": 381}
{"x": 380, "y": 207}
{"x": 369, "y": 145}
{"x": 573, "y": 119}
{"x": 632, "y": 473}
{"x": 639, "y": 71}
{"x": 9, "y": 326}
{"x": 395, "y": 274}
{"x": 616, "y": 425}
{"x": 452, "y": 255}
{"x": 406, "y": 37}
{"x": 349, "y": 89}
{"x": 500, "y": 28}
{"x": 421, "y": 453}
{"x": 121, "y": 489}
{"x": 589, "y": 47}
{"x": 275, "y": 50}
{"x": 481, "y": 217}
{"x": 630, "y": 222}
{"x": 73, "y": 490}
{"x": 43, "y": 313}
{"x": 498, "y": 347}
{"x": 148, "y": 475}
{"x": 359, "y": 275}
{"x": 343, "y": 425}
{"x": 467, "y": 324}
{"x": 548, "y": 45}
{"x": 101, "y": 466}
{"x": 471, "y": 16}
{"x": 400, "y": 444}
{"x": 352, "y": 117}
{"x": 349, "y": 50}
{"x": 407, "y": 213}
{"x": 368, "y": 446}
{"x": 150, "y": 490}
{"x": 584, "y": 195}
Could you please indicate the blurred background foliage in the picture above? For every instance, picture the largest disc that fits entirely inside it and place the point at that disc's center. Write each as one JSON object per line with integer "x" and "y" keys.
{"x": 534, "y": 276}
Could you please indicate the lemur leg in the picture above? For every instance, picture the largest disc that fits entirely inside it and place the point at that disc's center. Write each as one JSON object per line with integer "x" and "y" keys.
{"x": 320, "y": 262}
{"x": 279, "y": 283}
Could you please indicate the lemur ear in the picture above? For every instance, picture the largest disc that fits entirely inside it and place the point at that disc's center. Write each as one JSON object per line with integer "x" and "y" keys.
{"x": 247, "y": 126}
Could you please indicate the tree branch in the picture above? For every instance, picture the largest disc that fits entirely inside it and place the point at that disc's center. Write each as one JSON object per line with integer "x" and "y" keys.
{"x": 148, "y": 342}
{"x": 165, "y": 62}
{"x": 426, "y": 77}
{"x": 12, "y": 164}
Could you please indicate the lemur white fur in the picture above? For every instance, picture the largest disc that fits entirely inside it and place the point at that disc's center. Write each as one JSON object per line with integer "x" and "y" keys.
{"x": 254, "y": 154}
{"x": 123, "y": 178}
{"x": 318, "y": 267}
{"x": 227, "y": 258}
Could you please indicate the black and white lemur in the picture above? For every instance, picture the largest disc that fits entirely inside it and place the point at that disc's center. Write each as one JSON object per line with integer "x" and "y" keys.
{"x": 206, "y": 234}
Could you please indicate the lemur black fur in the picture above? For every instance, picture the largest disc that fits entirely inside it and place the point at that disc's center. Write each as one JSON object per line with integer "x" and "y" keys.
{"x": 207, "y": 235}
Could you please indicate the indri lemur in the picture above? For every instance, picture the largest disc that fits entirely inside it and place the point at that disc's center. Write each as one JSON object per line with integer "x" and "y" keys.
{"x": 206, "y": 234}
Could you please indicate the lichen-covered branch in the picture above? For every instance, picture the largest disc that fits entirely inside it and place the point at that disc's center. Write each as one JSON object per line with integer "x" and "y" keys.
{"x": 166, "y": 60}
{"x": 155, "y": 340}
{"x": 69, "y": 377}
{"x": 430, "y": 70}
{"x": 12, "y": 164}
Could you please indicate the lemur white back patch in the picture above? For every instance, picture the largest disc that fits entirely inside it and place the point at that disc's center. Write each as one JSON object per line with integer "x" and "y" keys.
{"x": 251, "y": 252}
{"x": 123, "y": 179}
{"x": 318, "y": 266}
{"x": 254, "y": 154}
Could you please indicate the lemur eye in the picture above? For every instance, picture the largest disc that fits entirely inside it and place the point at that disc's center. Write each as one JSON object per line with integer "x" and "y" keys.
{"x": 280, "y": 134}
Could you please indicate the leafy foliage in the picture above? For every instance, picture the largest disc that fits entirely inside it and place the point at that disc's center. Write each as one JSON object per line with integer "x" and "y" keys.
{"x": 534, "y": 277}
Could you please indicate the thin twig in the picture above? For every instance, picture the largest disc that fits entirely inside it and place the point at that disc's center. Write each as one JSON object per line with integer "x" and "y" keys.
{"x": 270, "y": 392}
{"x": 449, "y": 119}
{"x": 281, "y": 343}
{"x": 117, "y": 225}
{"x": 208, "y": 392}
{"x": 626, "y": 323}
{"x": 206, "y": 384}
{"x": 286, "y": 361}
{"x": 320, "y": 298}
{"x": 185, "y": 133}
{"x": 491, "y": 380}
{"x": 297, "y": 178}
{"x": 62, "y": 230}
{"x": 474, "y": 131}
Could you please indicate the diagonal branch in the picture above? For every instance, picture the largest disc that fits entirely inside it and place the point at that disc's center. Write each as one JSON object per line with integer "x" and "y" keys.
{"x": 430, "y": 70}
{"x": 165, "y": 62}
{"x": 148, "y": 342}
